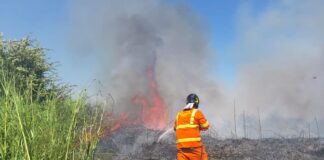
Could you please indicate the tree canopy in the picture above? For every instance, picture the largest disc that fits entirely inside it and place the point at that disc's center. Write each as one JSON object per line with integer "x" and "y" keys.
{"x": 26, "y": 63}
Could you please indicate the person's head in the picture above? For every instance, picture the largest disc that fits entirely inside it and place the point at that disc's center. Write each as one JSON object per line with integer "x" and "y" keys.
{"x": 193, "y": 98}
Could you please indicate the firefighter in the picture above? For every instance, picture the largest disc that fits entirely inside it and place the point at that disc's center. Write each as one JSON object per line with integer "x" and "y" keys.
{"x": 187, "y": 125}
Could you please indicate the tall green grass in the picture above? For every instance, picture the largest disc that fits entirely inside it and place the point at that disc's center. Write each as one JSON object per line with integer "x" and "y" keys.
{"x": 52, "y": 128}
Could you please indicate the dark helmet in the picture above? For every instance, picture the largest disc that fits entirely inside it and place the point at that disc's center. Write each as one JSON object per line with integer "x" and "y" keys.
{"x": 193, "y": 98}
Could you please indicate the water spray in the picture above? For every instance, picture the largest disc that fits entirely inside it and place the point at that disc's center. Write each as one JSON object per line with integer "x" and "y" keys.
{"x": 165, "y": 134}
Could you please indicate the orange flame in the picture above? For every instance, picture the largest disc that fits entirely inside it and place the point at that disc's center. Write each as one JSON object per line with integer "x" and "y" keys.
{"x": 153, "y": 109}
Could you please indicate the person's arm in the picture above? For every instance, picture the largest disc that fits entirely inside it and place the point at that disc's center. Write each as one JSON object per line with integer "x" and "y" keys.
{"x": 203, "y": 123}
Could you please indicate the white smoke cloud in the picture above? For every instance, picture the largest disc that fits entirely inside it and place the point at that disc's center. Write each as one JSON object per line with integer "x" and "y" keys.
{"x": 279, "y": 50}
{"x": 281, "y": 55}
{"x": 127, "y": 37}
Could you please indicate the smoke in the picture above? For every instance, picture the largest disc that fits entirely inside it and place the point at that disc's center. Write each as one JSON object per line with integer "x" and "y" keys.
{"x": 282, "y": 57}
{"x": 281, "y": 60}
{"x": 129, "y": 37}
{"x": 279, "y": 53}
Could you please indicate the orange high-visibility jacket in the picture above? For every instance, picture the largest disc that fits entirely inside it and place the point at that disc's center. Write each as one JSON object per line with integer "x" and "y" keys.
{"x": 187, "y": 126}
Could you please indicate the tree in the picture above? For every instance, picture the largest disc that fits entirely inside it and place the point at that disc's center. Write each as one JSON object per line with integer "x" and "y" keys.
{"x": 27, "y": 64}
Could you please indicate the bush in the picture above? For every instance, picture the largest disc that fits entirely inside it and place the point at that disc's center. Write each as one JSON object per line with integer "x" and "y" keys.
{"x": 26, "y": 62}
{"x": 36, "y": 122}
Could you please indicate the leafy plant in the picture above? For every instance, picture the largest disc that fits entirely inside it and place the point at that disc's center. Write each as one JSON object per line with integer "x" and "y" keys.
{"x": 38, "y": 118}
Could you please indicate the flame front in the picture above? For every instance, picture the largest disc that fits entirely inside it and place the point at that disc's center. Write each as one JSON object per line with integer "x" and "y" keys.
{"x": 153, "y": 109}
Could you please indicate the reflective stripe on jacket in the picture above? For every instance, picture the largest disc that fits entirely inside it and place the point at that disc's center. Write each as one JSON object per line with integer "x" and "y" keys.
{"x": 187, "y": 125}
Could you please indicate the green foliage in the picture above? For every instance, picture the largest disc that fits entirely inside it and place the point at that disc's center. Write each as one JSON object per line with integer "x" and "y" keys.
{"x": 52, "y": 129}
{"x": 37, "y": 121}
{"x": 27, "y": 62}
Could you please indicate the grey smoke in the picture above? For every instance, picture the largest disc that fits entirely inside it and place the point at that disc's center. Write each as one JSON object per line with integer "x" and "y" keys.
{"x": 281, "y": 61}
{"x": 279, "y": 52}
{"x": 127, "y": 37}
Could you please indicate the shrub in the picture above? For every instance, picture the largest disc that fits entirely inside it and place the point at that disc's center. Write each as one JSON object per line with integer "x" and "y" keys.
{"x": 36, "y": 121}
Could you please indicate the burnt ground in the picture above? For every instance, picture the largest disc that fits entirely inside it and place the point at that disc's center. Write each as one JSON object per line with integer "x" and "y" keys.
{"x": 138, "y": 143}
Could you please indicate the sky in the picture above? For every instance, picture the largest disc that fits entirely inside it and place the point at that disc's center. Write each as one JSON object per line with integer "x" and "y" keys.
{"x": 48, "y": 22}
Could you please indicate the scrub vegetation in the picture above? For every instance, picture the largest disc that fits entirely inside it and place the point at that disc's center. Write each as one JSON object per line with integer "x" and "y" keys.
{"x": 40, "y": 118}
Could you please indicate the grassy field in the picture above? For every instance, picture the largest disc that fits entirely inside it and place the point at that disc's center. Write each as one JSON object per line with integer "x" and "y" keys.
{"x": 54, "y": 128}
{"x": 39, "y": 118}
